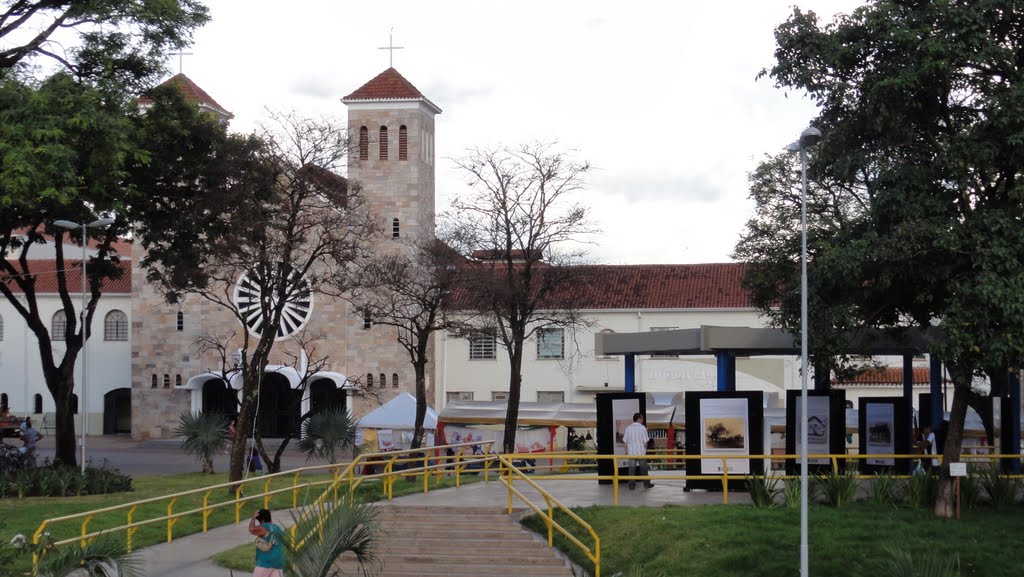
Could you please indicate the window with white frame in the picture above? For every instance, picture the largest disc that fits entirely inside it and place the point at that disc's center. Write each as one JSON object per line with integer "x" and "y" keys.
{"x": 115, "y": 326}
{"x": 550, "y": 396}
{"x": 481, "y": 346}
{"x": 658, "y": 329}
{"x": 499, "y": 395}
{"x": 551, "y": 344}
{"x": 458, "y": 396}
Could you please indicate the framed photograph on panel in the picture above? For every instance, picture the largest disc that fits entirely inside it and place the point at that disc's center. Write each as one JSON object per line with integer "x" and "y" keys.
{"x": 723, "y": 424}
{"x": 826, "y": 429}
{"x": 884, "y": 430}
{"x": 615, "y": 413}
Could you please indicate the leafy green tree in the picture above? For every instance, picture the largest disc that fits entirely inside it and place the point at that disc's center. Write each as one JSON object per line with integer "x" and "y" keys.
{"x": 916, "y": 199}
{"x": 203, "y": 435}
{"x": 124, "y": 39}
{"x": 327, "y": 433}
{"x": 322, "y": 534}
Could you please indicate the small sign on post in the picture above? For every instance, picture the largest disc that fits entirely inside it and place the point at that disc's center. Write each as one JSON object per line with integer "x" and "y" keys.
{"x": 957, "y": 470}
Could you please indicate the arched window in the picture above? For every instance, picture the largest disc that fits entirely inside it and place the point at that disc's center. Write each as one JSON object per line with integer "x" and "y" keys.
{"x": 167, "y": 381}
{"x": 152, "y": 384}
{"x": 403, "y": 143}
{"x": 394, "y": 228}
{"x": 181, "y": 321}
{"x": 383, "y": 380}
{"x": 59, "y": 326}
{"x": 177, "y": 380}
{"x": 383, "y": 142}
{"x": 369, "y": 380}
{"x": 394, "y": 380}
{"x": 74, "y": 404}
{"x": 115, "y": 326}
{"x": 364, "y": 143}
{"x": 37, "y": 404}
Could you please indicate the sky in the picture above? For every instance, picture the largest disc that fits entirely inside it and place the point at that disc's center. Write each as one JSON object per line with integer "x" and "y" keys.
{"x": 661, "y": 98}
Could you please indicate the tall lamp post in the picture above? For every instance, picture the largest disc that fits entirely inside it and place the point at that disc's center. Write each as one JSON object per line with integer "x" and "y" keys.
{"x": 809, "y": 137}
{"x": 70, "y": 225}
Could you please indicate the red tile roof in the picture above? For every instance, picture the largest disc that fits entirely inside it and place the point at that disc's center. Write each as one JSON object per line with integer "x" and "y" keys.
{"x": 388, "y": 85}
{"x": 192, "y": 93}
{"x": 45, "y": 272}
{"x": 665, "y": 286}
{"x": 892, "y": 376}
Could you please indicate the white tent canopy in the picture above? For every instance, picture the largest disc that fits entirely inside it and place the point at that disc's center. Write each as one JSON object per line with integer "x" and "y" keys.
{"x": 398, "y": 413}
{"x": 542, "y": 414}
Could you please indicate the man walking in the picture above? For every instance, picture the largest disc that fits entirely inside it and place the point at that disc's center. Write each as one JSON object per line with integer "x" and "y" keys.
{"x": 635, "y": 438}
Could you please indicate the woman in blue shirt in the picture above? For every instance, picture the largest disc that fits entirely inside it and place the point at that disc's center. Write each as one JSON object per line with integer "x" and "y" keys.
{"x": 269, "y": 563}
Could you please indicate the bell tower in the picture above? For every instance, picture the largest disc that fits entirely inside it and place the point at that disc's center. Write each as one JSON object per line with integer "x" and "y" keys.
{"x": 391, "y": 125}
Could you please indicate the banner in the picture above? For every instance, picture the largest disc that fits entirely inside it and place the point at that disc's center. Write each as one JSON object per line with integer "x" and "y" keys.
{"x": 622, "y": 412}
{"x": 817, "y": 428}
{"x": 527, "y": 440}
{"x": 881, "y": 424}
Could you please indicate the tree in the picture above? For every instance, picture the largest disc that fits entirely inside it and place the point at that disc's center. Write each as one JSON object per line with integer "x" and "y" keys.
{"x": 920, "y": 114}
{"x": 115, "y": 38}
{"x": 75, "y": 151}
{"x": 409, "y": 290}
{"x": 203, "y": 436}
{"x": 520, "y": 222}
{"x": 291, "y": 226}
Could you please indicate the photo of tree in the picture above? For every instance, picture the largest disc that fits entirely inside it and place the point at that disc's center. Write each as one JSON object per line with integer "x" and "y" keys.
{"x": 725, "y": 432}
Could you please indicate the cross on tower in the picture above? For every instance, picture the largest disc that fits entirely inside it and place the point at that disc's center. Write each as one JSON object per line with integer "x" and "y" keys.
{"x": 181, "y": 54}
{"x": 391, "y": 49}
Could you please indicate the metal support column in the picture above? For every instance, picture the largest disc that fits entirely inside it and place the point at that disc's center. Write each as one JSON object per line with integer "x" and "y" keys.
{"x": 935, "y": 380}
{"x": 726, "y": 371}
{"x": 630, "y": 373}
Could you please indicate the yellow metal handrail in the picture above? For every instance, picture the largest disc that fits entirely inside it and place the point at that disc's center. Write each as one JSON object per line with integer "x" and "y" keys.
{"x": 340, "y": 473}
{"x": 512, "y": 473}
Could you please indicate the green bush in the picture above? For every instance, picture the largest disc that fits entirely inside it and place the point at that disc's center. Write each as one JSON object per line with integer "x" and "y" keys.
{"x": 764, "y": 490}
{"x": 970, "y": 491}
{"x": 52, "y": 480}
{"x": 835, "y": 488}
{"x": 791, "y": 492}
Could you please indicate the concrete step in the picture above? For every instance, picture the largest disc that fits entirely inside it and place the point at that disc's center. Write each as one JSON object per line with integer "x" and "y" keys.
{"x": 458, "y": 542}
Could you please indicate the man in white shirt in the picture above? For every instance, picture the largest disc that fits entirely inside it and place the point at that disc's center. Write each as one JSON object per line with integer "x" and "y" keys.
{"x": 929, "y": 445}
{"x": 635, "y": 437}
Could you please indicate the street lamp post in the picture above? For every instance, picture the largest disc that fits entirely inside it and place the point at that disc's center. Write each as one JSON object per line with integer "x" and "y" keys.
{"x": 809, "y": 137}
{"x": 70, "y": 225}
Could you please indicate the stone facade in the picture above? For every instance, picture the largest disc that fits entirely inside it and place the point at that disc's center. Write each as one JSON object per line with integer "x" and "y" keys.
{"x": 396, "y": 189}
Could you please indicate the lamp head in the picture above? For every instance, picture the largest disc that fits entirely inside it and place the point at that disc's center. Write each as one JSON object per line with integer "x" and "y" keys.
{"x": 67, "y": 224}
{"x": 809, "y": 137}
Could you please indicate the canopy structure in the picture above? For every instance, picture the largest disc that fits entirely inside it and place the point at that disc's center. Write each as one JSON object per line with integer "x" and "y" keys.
{"x": 542, "y": 414}
{"x": 398, "y": 413}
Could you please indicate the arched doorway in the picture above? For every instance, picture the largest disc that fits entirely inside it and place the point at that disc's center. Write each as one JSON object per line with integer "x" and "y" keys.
{"x": 218, "y": 397}
{"x": 117, "y": 411}
{"x": 324, "y": 394}
{"x": 279, "y": 406}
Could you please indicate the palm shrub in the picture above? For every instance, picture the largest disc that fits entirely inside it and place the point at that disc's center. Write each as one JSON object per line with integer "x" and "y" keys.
{"x": 764, "y": 491}
{"x": 326, "y": 531}
{"x": 884, "y": 489}
{"x": 104, "y": 557}
{"x": 204, "y": 435}
{"x": 919, "y": 490}
{"x": 327, "y": 433}
{"x": 791, "y": 491}
{"x": 970, "y": 490}
{"x": 836, "y": 488}
{"x": 1001, "y": 490}
{"x": 900, "y": 563}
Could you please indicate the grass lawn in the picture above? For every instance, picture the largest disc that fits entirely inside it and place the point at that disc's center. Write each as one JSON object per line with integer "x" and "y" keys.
{"x": 743, "y": 541}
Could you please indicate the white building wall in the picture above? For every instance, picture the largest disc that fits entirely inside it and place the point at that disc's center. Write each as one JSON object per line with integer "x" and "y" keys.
{"x": 21, "y": 369}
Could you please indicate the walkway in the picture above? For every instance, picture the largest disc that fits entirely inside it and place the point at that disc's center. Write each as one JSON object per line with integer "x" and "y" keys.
{"x": 189, "y": 556}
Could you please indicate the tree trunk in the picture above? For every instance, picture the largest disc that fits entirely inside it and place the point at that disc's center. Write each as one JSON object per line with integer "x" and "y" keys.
{"x": 61, "y": 383}
{"x": 421, "y": 402}
{"x": 944, "y": 499}
{"x": 515, "y": 384}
